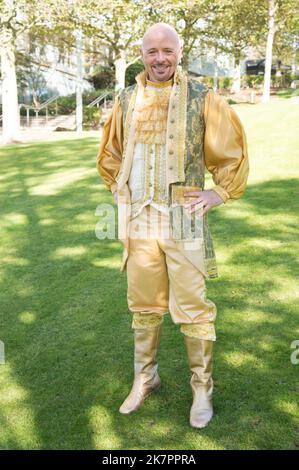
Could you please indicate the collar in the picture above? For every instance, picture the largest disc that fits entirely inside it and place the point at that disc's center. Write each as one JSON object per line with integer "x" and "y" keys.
{"x": 142, "y": 80}
{"x": 159, "y": 84}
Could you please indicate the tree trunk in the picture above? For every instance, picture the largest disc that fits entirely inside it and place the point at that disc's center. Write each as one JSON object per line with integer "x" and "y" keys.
{"x": 270, "y": 38}
{"x": 294, "y": 65}
{"x": 185, "y": 61}
{"x": 120, "y": 71}
{"x": 236, "y": 86}
{"x": 79, "y": 103}
{"x": 216, "y": 71}
{"x": 10, "y": 109}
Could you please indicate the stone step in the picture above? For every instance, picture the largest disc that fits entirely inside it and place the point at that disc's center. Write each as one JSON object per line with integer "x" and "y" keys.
{"x": 64, "y": 121}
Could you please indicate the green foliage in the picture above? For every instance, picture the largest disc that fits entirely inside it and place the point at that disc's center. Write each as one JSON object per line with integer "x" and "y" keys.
{"x": 225, "y": 82}
{"x": 91, "y": 117}
{"x": 284, "y": 80}
{"x": 288, "y": 78}
{"x": 290, "y": 93}
{"x": 103, "y": 77}
{"x": 132, "y": 71}
{"x": 252, "y": 81}
{"x": 66, "y": 104}
{"x": 207, "y": 80}
{"x": 237, "y": 24}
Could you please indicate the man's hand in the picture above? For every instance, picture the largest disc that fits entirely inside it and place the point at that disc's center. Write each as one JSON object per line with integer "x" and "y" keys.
{"x": 202, "y": 199}
{"x": 115, "y": 197}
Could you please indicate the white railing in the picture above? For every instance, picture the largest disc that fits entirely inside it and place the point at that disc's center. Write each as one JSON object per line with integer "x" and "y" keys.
{"x": 37, "y": 109}
{"x": 100, "y": 98}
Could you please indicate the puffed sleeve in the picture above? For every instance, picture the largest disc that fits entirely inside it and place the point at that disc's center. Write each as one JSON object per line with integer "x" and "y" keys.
{"x": 110, "y": 152}
{"x": 225, "y": 148}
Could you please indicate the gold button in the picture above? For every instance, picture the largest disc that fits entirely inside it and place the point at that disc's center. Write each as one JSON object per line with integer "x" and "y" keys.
{"x": 150, "y": 167}
{"x": 171, "y": 167}
{"x": 173, "y": 106}
{"x": 171, "y": 136}
{"x": 171, "y": 152}
{"x": 172, "y": 121}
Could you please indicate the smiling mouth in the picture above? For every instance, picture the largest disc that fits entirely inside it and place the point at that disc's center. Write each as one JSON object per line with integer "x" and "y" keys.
{"x": 158, "y": 68}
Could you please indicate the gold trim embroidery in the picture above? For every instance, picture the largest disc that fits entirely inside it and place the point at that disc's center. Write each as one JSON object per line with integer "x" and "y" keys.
{"x": 129, "y": 118}
{"x": 182, "y": 120}
{"x": 204, "y": 331}
{"x": 176, "y": 128}
{"x": 146, "y": 320}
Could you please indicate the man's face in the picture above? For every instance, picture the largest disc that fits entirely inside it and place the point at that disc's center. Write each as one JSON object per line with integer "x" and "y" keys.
{"x": 161, "y": 54}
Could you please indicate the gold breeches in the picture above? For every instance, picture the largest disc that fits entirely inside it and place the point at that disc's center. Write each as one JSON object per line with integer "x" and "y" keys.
{"x": 162, "y": 279}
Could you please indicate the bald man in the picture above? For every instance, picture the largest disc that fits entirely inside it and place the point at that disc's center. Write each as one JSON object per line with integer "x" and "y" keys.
{"x": 161, "y": 135}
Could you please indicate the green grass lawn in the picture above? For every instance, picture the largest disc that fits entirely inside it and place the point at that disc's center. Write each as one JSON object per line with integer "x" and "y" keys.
{"x": 67, "y": 329}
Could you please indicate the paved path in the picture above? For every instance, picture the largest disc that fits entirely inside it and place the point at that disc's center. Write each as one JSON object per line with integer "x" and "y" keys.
{"x": 51, "y": 136}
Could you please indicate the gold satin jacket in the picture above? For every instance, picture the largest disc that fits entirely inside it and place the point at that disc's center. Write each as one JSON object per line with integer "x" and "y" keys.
{"x": 202, "y": 131}
{"x": 225, "y": 147}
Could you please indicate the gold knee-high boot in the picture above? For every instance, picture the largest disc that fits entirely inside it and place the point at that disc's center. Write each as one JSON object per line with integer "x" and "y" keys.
{"x": 146, "y": 380}
{"x": 200, "y": 356}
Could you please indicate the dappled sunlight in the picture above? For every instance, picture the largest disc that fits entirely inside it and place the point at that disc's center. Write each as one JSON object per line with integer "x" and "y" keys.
{"x": 201, "y": 440}
{"x": 17, "y": 422}
{"x": 223, "y": 257}
{"x": 265, "y": 344}
{"x": 289, "y": 407}
{"x": 69, "y": 252}
{"x": 262, "y": 218}
{"x": 280, "y": 262}
{"x": 54, "y": 164}
{"x": 7, "y": 175}
{"x": 101, "y": 422}
{"x": 9, "y": 250}
{"x": 107, "y": 262}
{"x": 231, "y": 212}
{"x": 27, "y": 317}
{"x": 55, "y": 183}
{"x": 13, "y": 218}
{"x": 48, "y": 221}
{"x": 255, "y": 316}
{"x": 83, "y": 217}
{"x": 161, "y": 427}
{"x": 66, "y": 320}
{"x": 82, "y": 222}
{"x": 265, "y": 243}
{"x": 242, "y": 358}
{"x": 16, "y": 261}
{"x": 286, "y": 291}
{"x": 12, "y": 393}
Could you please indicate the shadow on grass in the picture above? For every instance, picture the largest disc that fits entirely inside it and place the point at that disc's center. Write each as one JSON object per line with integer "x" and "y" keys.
{"x": 66, "y": 326}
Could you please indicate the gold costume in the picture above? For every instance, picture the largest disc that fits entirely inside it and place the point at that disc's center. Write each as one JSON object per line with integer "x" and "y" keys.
{"x": 225, "y": 147}
{"x": 155, "y": 145}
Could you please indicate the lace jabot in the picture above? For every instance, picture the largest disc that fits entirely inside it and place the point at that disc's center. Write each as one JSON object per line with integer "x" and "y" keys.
{"x": 151, "y": 114}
